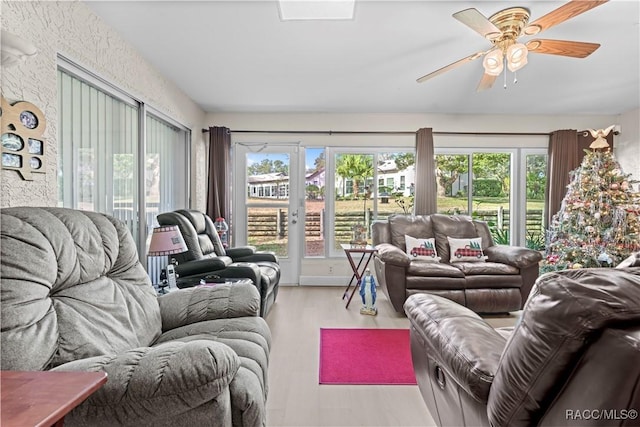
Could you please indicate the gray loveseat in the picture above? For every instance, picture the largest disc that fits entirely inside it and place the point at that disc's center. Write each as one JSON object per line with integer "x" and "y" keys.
{"x": 500, "y": 283}
{"x": 76, "y": 298}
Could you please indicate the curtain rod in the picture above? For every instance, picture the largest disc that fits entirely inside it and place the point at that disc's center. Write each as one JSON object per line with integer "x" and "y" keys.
{"x": 344, "y": 132}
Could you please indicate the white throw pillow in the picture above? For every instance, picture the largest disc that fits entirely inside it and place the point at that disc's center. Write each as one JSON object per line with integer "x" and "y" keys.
{"x": 422, "y": 249}
{"x": 468, "y": 249}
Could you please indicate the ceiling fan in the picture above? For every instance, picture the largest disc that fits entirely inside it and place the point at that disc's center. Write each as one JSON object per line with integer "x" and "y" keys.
{"x": 504, "y": 28}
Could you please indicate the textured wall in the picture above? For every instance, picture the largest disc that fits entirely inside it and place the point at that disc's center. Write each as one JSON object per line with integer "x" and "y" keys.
{"x": 71, "y": 29}
{"x": 627, "y": 144}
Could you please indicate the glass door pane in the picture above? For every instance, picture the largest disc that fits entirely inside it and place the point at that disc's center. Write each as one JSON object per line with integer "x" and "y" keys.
{"x": 314, "y": 224}
{"x": 536, "y": 183}
{"x": 354, "y": 188}
{"x": 492, "y": 192}
{"x": 268, "y": 201}
{"x": 396, "y": 184}
{"x": 452, "y": 171}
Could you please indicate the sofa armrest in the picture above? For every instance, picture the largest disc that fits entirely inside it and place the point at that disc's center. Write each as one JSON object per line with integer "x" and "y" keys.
{"x": 464, "y": 345}
{"x": 185, "y": 306}
{"x": 390, "y": 254}
{"x": 203, "y": 266}
{"x": 240, "y": 251}
{"x": 513, "y": 255}
{"x": 257, "y": 257}
{"x": 147, "y": 385}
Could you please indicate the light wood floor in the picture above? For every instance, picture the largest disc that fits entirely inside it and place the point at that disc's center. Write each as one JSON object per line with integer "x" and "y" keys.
{"x": 296, "y": 398}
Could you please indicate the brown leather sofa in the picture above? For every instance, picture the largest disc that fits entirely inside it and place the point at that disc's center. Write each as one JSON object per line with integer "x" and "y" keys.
{"x": 501, "y": 284}
{"x": 572, "y": 359}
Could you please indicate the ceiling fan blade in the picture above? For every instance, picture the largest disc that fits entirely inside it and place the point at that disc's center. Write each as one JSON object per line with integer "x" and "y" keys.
{"x": 561, "y": 14}
{"x": 486, "y": 82}
{"x": 562, "y": 47}
{"x": 475, "y": 20}
{"x": 451, "y": 66}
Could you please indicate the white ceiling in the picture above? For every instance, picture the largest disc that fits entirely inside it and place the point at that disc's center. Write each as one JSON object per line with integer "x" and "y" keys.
{"x": 238, "y": 56}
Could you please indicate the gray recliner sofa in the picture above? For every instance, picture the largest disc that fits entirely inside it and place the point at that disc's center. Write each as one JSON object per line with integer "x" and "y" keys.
{"x": 501, "y": 284}
{"x": 76, "y": 298}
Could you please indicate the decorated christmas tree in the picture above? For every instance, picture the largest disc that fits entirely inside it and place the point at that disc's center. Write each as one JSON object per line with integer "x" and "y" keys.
{"x": 598, "y": 224}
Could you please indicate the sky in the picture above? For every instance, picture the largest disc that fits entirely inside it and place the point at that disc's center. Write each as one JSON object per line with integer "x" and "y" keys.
{"x": 311, "y": 154}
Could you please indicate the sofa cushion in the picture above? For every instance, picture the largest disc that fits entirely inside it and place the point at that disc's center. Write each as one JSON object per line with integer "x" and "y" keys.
{"x": 433, "y": 269}
{"x": 72, "y": 287}
{"x": 485, "y": 268}
{"x": 493, "y": 282}
{"x": 466, "y": 249}
{"x": 416, "y": 226}
{"x": 456, "y": 226}
{"x": 423, "y": 249}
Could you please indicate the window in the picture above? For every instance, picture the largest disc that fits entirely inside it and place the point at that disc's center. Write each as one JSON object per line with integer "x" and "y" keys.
{"x": 486, "y": 184}
{"x": 535, "y": 187}
{"x": 166, "y": 177}
{"x": 356, "y": 200}
{"x": 100, "y": 147}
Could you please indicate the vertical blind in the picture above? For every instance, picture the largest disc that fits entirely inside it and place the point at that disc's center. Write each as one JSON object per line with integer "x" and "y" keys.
{"x": 97, "y": 151}
{"x": 98, "y": 158}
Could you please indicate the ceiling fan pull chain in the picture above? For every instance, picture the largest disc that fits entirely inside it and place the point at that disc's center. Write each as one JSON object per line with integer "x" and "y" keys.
{"x": 505, "y": 72}
{"x": 515, "y": 77}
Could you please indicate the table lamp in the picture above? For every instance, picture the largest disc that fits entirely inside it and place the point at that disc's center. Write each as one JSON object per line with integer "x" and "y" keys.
{"x": 167, "y": 240}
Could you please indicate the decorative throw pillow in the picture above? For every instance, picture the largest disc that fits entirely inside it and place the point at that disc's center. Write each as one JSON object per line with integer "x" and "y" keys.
{"x": 422, "y": 249}
{"x": 467, "y": 249}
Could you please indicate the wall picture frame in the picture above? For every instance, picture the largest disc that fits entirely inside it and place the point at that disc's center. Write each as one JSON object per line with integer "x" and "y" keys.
{"x": 23, "y": 149}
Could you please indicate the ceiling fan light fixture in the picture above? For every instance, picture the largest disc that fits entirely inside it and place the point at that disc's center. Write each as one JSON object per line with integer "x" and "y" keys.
{"x": 515, "y": 66}
{"x": 516, "y": 53}
{"x": 493, "y": 62}
{"x": 516, "y": 56}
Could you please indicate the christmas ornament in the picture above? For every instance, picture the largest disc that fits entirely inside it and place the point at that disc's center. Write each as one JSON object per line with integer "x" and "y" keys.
{"x": 605, "y": 258}
{"x": 600, "y": 136}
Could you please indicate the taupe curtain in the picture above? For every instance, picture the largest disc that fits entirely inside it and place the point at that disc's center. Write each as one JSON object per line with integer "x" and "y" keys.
{"x": 562, "y": 158}
{"x": 219, "y": 182}
{"x": 426, "y": 193}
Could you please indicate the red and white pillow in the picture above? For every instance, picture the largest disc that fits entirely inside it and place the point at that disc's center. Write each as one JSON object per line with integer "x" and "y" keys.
{"x": 421, "y": 249}
{"x": 466, "y": 250}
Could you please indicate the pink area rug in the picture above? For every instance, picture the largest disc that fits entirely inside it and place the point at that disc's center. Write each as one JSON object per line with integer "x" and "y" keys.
{"x": 365, "y": 356}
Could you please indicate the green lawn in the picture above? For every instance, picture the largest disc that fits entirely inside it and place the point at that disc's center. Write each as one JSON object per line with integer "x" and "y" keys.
{"x": 445, "y": 204}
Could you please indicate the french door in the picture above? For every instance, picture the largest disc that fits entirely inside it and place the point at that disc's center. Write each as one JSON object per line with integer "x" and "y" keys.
{"x": 268, "y": 203}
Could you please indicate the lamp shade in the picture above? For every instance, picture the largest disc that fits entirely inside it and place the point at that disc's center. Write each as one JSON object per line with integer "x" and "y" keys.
{"x": 493, "y": 62}
{"x": 516, "y": 56}
{"x": 166, "y": 240}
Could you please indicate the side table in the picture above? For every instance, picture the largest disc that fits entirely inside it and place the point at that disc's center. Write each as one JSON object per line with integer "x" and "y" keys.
{"x": 366, "y": 253}
{"x": 43, "y": 398}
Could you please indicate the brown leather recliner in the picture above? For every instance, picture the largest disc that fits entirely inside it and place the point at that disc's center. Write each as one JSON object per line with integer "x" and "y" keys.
{"x": 501, "y": 284}
{"x": 573, "y": 359}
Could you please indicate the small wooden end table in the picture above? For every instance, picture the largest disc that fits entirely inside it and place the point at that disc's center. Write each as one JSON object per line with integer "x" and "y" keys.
{"x": 43, "y": 398}
{"x": 366, "y": 253}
